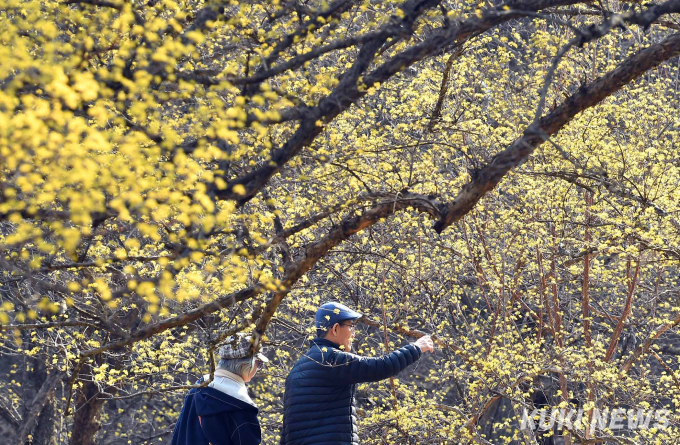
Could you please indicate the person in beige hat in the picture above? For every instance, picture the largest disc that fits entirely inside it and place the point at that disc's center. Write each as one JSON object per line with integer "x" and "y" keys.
{"x": 222, "y": 412}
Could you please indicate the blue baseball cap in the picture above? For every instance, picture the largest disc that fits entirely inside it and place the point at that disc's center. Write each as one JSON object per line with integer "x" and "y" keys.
{"x": 330, "y": 313}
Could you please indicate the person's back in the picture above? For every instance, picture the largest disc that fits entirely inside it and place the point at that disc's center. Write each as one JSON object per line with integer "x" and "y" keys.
{"x": 221, "y": 419}
{"x": 222, "y": 413}
{"x": 319, "y": 396}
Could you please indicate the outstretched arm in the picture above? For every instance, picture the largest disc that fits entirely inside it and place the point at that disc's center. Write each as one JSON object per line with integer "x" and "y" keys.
{"x": 349, "y": 368}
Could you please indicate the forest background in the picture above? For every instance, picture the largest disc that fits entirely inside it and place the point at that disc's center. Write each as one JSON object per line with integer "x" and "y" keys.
{"x": 503, "y": 176}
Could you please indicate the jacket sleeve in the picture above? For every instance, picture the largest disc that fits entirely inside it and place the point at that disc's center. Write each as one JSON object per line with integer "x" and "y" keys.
{"x": 350, "y": 368}
{"x": 234, "y": 428}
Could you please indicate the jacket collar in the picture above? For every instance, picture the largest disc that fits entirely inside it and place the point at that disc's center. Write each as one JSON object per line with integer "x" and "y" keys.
{"x": 318, "y": 341}
{"x": 231, "y": 385}
{"x": 230, "y": 375}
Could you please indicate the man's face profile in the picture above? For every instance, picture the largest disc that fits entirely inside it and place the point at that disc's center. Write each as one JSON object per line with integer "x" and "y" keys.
{"x": 342, "y": 334}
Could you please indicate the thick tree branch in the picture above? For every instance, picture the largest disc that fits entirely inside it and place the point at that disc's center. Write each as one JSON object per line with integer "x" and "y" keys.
{"x": 341, "y": 232}
{"x": 180, "y": 320}
{"x": 313, "y": 252}
{"x": 317, "y": 217}
{"x": 588, "y": 96}
{"x": 346, "y": 93}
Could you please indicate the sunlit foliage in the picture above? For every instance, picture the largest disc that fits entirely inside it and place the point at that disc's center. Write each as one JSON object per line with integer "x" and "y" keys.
{"x": 503, "y": 176}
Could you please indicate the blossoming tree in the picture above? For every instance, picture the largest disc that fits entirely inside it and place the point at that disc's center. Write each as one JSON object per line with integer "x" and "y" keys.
{"x": 502, "y": 175}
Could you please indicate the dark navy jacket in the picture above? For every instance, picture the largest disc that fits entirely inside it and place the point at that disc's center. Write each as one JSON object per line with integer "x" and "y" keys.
{"x": 225, "y": 420}
{"x": 318, "y": 406}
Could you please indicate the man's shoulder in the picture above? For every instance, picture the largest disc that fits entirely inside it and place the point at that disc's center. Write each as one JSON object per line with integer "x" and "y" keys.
{"x": 316, "y": 354}
{"x": 320, "y": 356}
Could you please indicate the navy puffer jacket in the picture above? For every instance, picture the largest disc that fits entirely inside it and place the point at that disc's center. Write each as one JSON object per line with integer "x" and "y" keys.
{"x": 319, "y": 400}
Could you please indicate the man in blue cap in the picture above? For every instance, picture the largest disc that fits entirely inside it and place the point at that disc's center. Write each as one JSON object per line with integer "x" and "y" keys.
{"x": 318, "y": 405}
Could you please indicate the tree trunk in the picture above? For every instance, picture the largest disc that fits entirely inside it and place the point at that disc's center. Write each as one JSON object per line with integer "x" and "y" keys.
{"x": 45, "y": 433}
{"x": 37, "y": 405}
{"x": 88, "y": 409}
{"x": 89, "y": 404}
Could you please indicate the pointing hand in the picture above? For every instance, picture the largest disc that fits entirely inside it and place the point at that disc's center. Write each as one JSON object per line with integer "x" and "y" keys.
{"x": 425, "y": 343}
